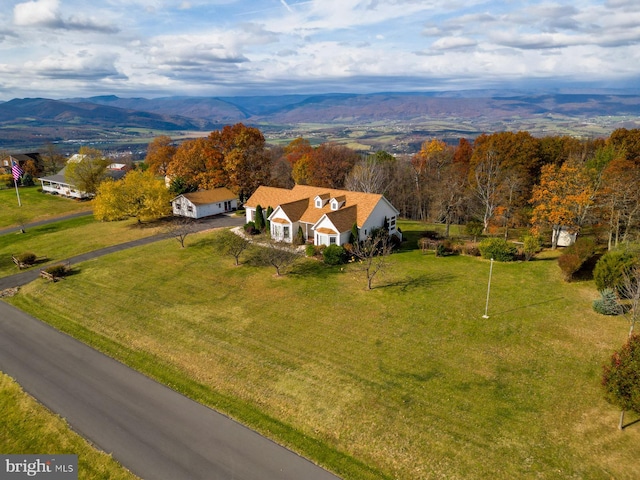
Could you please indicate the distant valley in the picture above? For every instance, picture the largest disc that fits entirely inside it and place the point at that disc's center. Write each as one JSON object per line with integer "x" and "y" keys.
{"x": 396, "y": 122}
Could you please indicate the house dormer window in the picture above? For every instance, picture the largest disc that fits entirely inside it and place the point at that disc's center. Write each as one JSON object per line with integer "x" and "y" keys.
{"x": 337, "y": 202}
{"x": 321, "y": 200}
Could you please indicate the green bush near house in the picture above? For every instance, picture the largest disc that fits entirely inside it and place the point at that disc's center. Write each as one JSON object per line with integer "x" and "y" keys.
{"x": 333, "y": 255}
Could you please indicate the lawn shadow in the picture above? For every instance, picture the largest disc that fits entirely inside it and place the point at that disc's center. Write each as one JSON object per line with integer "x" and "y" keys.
{"x": 421, "y": 281}
{"x": 631, "y": 423}
{"x": 522, "y": 307}
{"x": 313, "y": 268}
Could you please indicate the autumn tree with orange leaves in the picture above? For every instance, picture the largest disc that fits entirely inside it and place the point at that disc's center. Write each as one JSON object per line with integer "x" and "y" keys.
{"x": 234, "y": 157}
{"x": 561, "y": 199}
{"x": 160, "y": 152}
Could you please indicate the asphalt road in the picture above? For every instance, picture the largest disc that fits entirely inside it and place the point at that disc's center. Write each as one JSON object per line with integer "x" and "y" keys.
{"x": 149, "y": 428}
{"x": 152, "y": 430}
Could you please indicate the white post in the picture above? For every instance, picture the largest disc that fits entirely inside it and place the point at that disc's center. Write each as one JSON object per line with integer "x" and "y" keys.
{"x": 15, "y": 182}
{"x": 486, "y": 307}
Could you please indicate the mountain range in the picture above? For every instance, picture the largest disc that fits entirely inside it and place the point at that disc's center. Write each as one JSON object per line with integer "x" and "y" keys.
{"x": 47, "y": 120}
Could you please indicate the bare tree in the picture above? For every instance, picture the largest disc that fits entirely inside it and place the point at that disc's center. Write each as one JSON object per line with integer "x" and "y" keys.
{"x": 372, "y": 255}
{"x": 629, "y": 293}
{"x": 487, "y": 183}
{"x": 279, "y": 255}
{"x": 372, "y": 174}
{"x": 228, "y": 243}
{"x": 180, "y": 228}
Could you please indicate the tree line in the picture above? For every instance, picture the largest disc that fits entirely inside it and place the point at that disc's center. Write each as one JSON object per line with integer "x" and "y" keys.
{"x": 503, "y": 180}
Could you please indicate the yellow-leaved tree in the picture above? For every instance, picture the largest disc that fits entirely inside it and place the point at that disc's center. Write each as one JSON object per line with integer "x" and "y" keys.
{"x": 561, "y": 199}
{"x": 139, "y": 195}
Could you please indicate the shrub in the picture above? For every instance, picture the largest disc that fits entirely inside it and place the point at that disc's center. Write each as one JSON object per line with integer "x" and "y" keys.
{"x": 300, "y": 240}
{"x": 250, "y": 228}
{"x": 607, "y": 304}
{"x": 6, "y": 180}
{"x": 57, "y": 271}
{"x": 531, "y": 246}
{"x": 621, "y": 377}
{"x": 310, "y": 250}
{"x": 471, "y": 248}
{"x": 575, "y": 256}
{"x": 498, "y": 249}
{"x": 333, "y": 255}
{"x": 474, "y": 228}
{"x": 610, "y": 270}
{"x": 27, "y": 258}
{"x": 27, "y": 180}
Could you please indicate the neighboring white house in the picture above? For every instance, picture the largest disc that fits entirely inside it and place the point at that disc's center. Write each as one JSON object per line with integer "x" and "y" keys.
{"x": 204, "y": 203}
{"x": 58, "y": 184}
{"x": 325, "y": 215}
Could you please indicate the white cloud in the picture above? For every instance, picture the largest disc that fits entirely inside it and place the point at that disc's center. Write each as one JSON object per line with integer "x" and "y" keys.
{"x": 39, "y": 12}
{"x": 215, "y": 45}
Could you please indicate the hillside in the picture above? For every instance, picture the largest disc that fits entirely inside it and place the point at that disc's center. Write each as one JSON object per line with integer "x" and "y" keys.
{"x": 408, "y": 117}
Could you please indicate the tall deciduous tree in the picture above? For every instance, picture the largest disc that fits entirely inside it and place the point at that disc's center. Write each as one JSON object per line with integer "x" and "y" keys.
{"x": 330, "y": 164}
{"x": 88, "y": 171}
{"x": 371, "y": 174}
{"x": 139, "y": 195}
{"x": 160, "y": 152}
{"x": 619, "y": 199}
{"x": 198, "y": 164}
{"x": 561, "y": 199}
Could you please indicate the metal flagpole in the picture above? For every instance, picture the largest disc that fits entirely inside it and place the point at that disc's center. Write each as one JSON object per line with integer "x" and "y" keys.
{"x": 16, "y": 171}
{"x": 486, "y": 307}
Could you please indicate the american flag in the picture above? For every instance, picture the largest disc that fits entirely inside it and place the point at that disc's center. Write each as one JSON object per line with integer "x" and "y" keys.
{"x": 16, "y": 170}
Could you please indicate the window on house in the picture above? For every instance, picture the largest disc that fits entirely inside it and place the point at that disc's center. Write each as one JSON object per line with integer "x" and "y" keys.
{"x": 332, "y": 240}
{"x": 286, "y": 233}
{"x": 318, "y": 203}
{"x": 189, "y": 208}
{"x": 178, "y": 206}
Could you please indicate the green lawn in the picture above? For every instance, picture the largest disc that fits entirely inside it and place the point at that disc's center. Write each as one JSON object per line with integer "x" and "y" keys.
{"x": 29, "y": 428}
{"x": 405, "y": 381}
{"x": 35, "y": 206}
{"x": 64, "y": 239}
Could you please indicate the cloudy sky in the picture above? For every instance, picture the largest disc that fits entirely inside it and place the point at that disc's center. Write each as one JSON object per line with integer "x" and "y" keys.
{"x": 150, "y": 48}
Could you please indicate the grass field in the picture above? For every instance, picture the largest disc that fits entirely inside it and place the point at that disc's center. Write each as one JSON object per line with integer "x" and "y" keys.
{"x": 64, "y": 239}
{"x": 405, "y": 381}
{"x": 35, "y": 206}
{"x": 29, "y": 428}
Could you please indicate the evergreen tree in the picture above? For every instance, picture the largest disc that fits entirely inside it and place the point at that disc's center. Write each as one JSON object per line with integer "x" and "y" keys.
{"x": 259, "y": 221}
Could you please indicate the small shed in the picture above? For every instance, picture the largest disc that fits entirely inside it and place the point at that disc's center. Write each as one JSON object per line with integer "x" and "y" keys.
{"x": 204, "y": 203}
{"x": 564, "y": 237}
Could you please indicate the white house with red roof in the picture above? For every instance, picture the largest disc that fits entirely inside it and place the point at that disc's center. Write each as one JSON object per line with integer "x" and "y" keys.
{"x": 326, "y": 216}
